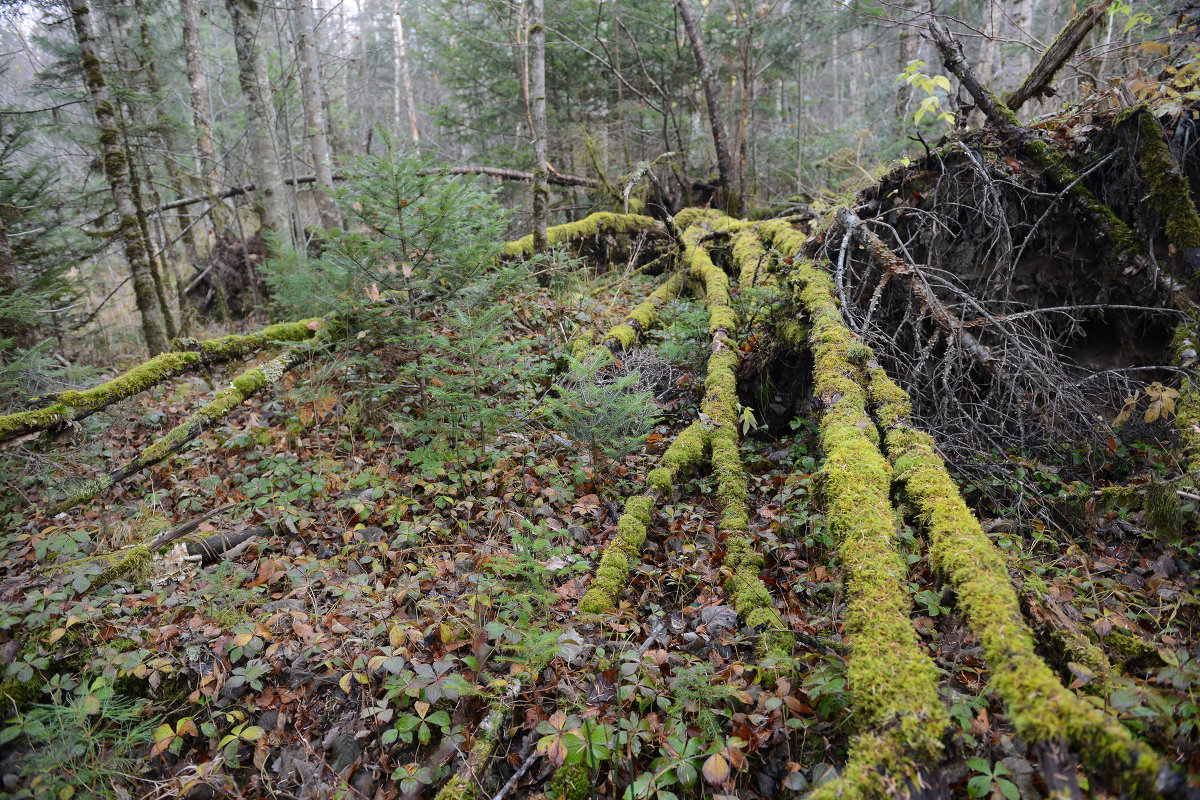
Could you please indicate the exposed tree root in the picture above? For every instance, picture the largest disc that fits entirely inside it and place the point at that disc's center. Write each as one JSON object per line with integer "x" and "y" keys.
{"x": 225, "y": 401}
{"x": 62, "y": 408}
{"x": 717, "y": 434}
{"x": 592, "y": 225}
{"x": 1127, "y": 244}
{"x": 894, "y": 681}
{"x": 1041, "y": 709}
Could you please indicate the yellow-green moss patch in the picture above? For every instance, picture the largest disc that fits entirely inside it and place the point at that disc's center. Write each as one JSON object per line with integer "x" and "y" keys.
{"x": 1040, "y": 708}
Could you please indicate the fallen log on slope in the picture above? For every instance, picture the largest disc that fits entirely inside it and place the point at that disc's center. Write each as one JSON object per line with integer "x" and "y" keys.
{"x": 894, "y": 679}
{"x": 60, "y": 409}
{"x": 602, "y": 222}
{"x": 1042, "y": 710}
{"x": 223, "y": 403}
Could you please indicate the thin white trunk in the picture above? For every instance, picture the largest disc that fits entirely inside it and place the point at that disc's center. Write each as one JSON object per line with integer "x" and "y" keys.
{"x": 314, "y": 116}
{"x": 246, "y": 15}
{"x": 404, "y": 77}
{"x": 201, "y": 106}
{"x": 537, "y": 88}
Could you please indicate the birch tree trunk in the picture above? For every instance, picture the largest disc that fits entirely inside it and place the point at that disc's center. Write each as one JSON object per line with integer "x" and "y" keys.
{"x": 197, "y": 78}
{"x": 403, "y": 77}
{"x": 268, "y": 179}
{"x": 725, "y": 169}
{"x": 314, "y": 116}
{"x": 537, "y": 88}
{"x": 116, "y": 170}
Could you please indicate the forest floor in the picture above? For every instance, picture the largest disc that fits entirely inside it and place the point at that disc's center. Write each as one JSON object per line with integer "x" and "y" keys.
{"x": 391, "y": 599}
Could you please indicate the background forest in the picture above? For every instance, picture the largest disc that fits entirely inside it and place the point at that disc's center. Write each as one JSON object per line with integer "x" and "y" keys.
{"x": 622, "y": 399}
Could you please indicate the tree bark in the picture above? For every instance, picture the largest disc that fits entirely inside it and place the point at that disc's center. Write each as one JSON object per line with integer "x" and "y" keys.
{"x": 201, "y": 107}
{"x": 537, "y": 87}
{"x": 403, "y": 77}
{"x": 251, "y": 71}
{"x": 725, "y": 168}
{"x": 116, "y": 169}
{"x": 314, "y": 116}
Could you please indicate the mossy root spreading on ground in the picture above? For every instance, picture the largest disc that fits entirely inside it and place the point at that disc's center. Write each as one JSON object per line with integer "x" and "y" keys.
{"x": 894, "y": 682}
{"x": 225, "y": 401}
{"x": 186, "y": 355}
{"x": 1041, "y": 709}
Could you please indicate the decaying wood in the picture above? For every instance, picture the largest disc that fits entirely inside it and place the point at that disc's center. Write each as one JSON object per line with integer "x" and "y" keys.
{"x": 1037, "y": 82}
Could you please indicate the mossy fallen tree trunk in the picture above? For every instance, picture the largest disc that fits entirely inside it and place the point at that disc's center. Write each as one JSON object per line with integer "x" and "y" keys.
{"x": 893, "y": 679}
{"x": 63, "y": 408}
{"x": 715, "y": 435}
{"x": 1042, "y": 710}
{"x": 644, "y": 316}
{"x": 226, "y": 400}
{"x": 602, "y": 222}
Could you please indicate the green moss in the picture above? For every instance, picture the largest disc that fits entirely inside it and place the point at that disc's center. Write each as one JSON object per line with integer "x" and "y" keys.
{"x": 1040, "y": 708}
{"x": 1164, "y": 514}
{"x": 892, "y": 677}
{"x": 592, "y": 225}
{"x": 1169, "y": 194}
{"x": 570, "y": 782}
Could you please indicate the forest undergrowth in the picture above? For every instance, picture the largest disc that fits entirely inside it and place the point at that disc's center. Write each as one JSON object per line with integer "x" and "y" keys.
{"x": 664, "y": 527}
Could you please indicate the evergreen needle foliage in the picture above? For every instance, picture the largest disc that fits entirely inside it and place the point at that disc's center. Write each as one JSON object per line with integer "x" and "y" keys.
{"x": 600, "y": 411}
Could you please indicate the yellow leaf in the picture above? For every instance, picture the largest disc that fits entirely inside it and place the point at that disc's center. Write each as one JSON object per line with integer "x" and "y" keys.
{"x": 186, "y": 727}
{"x": 242, "y": 639}
{"x": 1126, "y": 412}
{"x": 344, "y": 683}
{"x": 252, "y": 734}
{"x": 55, "y": 635}
{"x": 163, "y": 732}
{"x": 396, "y": 636}
{"x": 91, "y": 705}
{"x": 1153, "y": 412}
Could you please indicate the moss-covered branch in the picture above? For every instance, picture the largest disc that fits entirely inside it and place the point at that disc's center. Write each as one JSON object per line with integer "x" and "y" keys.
{"x": 225, "y": 401}
{"x": 62, "y": 408}
{"x": 1169, "y": 193}
{"x": 644, "y": 316}
{"x": 592, "y": 225}
{"x": 894, "y": 682}
{"x": 1040, "y": 708}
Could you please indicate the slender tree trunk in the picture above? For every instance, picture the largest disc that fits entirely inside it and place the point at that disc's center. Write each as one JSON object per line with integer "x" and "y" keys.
{"x": 245, "y": 15}
{"x": 1023, "y": 21}
{"x": 314, "y": 116}
{"x": 201, "y": 107}
{"x": 403, "y": 76}
{"x": 116, "y": 169}
{"x": 725, "y": 168}
{"x": 163, "y": 125}
{"x": 537, "y": 88}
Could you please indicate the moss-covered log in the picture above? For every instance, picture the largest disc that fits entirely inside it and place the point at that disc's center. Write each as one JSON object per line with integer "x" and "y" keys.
{"x": 593, "y": 225}
{"x": 226, "y": 400}
{"x": 644, "y": 316}
{"x": 893, "y": 680}
{"x": 186, "y": 355}
{"x": 1170, "y": 196}
{"x": 1041, "y": 709}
